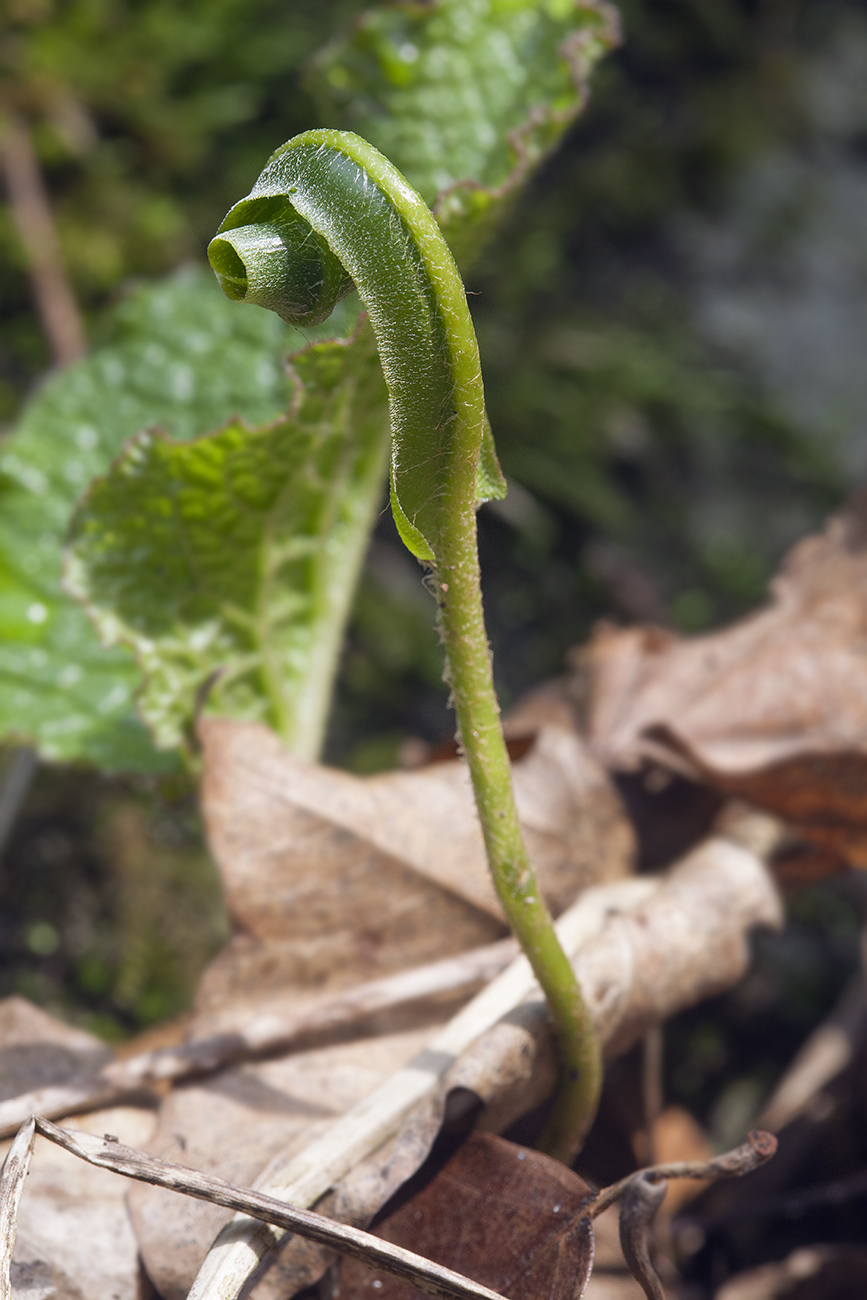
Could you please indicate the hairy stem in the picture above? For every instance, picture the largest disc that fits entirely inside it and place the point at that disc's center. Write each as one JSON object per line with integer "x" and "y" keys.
{"x": 481, "y": 735}
{"x": 330, "y": 211}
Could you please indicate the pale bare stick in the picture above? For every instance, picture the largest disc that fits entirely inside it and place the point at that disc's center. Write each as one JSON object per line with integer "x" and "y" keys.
{"x": 278, "y": 1030}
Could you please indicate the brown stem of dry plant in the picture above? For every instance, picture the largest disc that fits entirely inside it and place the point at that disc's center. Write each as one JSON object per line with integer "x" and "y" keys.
{"x": 31, "y": 211}
{"x": 12, "y": 1177}
{"x": 643, "y": 1192}
{"x": 643, "y": 1197}
{"x": 757, "y": 1150}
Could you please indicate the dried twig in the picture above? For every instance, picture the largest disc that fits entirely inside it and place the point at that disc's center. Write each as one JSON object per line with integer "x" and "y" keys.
{"x": 643, "y": 1198}
{"x": 277, "y": 1031}
{"x": 12, "y": 1178}
{"x": 107, "y": 1153}
{"x": 643, "y": 1192}
{"x": 758, "y": 1148}
{"x": 827, "y": 1052}
{"x": 268, "y": 1033}
{"x": 687, "y": 941}
{"x": 31, "y": 212}
{"x": 376, "y": 1117}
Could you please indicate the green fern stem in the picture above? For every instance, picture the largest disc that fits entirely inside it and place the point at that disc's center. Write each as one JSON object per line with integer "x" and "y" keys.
{"x": 329, "y": 212}
{"x": 469, "y": 673}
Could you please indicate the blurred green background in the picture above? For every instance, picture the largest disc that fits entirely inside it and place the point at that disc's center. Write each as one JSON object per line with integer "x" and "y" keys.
{"x": 671, "y": 326}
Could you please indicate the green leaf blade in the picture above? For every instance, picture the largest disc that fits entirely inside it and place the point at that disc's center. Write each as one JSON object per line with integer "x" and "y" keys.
{"x": 465, "y": 97}
{"x": 181, "y": 357}
{"x": 226, "y": 564}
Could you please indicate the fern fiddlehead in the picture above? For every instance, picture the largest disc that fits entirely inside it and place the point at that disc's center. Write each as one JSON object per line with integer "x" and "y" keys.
{"x": 329, "y": 212}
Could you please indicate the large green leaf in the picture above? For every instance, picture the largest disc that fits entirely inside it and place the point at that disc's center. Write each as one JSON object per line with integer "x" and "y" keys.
{"x": 465, "y": 96}
{"x": 180, "y": 357}
{"x": 488, "y": 91}
{"x": 227, "y": 563}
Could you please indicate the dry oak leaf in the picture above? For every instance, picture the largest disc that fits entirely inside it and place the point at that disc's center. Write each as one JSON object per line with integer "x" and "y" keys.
{"x": 772, "y": 709}
{"x": 499, "y": 1213}
{"x": 332, "y": 879}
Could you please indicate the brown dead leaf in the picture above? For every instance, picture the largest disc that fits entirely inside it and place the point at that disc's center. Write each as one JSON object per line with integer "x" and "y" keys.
{"x": 499, "y": 1213}
{"x": 332, "y": 879}
{"x": 773, "y": 709}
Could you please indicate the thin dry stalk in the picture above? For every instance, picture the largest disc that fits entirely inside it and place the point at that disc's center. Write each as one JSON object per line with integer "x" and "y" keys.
{"x": 12, "y": 1178}
{"x": 271, "y": 1033}
{"x": 643, "y": 1192}
{"x": 107, "y": 1153}
{"x": 31, "y": 212}
{"x": 757, "y": 1150}
{"x": 643, "y": 1198}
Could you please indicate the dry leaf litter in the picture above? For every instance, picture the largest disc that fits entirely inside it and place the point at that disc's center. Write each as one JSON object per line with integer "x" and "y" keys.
{"x": 334, "y": 880}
